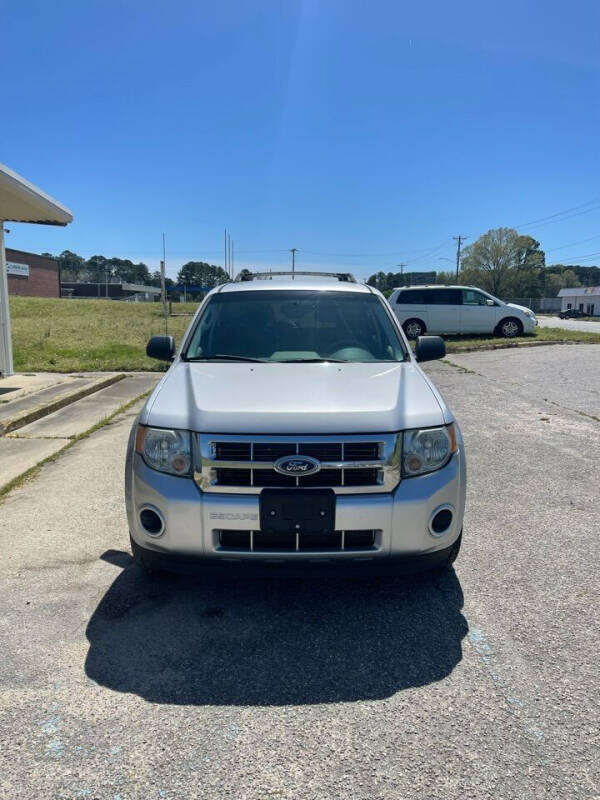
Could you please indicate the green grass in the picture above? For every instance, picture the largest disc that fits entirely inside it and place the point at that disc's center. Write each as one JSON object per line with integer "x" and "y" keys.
{"x": 94, "y": 335}
{"x": 52, "y": 335}
{"x": 455, "y": 344}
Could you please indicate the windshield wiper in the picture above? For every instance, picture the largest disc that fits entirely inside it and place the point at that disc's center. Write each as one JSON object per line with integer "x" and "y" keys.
{"x": 312, "y": 360}
{"x": 226, "y": 358}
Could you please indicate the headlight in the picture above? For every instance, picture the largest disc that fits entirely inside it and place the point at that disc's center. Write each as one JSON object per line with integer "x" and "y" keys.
{"x": 529, "y": 313}
{"x": 427, "y": 449}
{"x": 165, "y": 450}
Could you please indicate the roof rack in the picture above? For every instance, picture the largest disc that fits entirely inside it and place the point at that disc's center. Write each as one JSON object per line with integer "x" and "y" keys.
{"x": 251, "y": 276}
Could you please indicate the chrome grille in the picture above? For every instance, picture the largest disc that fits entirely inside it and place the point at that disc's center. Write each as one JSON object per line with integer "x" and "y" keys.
{"x": 349, "y": 465}
{"x": 335, "y": 541}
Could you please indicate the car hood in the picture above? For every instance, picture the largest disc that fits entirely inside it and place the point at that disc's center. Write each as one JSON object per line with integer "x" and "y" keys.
{"x": 296, "y": 398}
{"x": 521, "y": 308}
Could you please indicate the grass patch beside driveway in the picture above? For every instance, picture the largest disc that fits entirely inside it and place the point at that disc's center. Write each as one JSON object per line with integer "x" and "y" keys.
{"x": 54, "y": 335}
{"x": 458, "y": 344}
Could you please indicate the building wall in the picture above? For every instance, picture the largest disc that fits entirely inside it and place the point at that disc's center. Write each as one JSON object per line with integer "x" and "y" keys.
{"x": 583, "y": 301}
{"x": 43, "y": 279}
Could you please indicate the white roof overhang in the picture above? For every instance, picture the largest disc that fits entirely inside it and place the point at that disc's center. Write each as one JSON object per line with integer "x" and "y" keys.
{"x": 21, "y": 201}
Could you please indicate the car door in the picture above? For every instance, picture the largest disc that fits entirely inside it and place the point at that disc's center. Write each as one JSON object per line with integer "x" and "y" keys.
{"x": 476, "y": 314}
{"x": 444, "y": 310}
{"x": 411, "y": 304}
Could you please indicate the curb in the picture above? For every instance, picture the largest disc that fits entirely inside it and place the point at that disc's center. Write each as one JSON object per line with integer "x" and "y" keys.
{"x": 37, "y": 412}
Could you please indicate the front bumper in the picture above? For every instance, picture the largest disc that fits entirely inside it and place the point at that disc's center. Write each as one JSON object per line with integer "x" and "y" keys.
{"x": 194, "y": 518}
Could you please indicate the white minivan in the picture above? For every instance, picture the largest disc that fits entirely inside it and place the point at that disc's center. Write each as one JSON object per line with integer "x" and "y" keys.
{"x": 458, "y": 310}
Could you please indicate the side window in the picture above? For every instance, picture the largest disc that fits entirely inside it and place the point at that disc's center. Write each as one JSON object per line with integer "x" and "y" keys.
{"x": 472, "y": 298}
{"x": 412, "y": 296}
{"x": 446, "y": 297}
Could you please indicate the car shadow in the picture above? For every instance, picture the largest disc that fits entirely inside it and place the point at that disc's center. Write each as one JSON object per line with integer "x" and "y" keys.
{"x": 205, "y": 641}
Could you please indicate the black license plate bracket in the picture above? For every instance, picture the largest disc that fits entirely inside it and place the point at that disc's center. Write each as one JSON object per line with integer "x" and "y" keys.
{"x": 297, "y": 510}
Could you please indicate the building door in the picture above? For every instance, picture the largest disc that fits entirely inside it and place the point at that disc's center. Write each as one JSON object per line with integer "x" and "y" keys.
{"x": 581, "y": 306}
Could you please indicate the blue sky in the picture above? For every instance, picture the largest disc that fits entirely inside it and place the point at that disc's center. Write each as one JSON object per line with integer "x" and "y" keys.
{"x": 364, "y": 134}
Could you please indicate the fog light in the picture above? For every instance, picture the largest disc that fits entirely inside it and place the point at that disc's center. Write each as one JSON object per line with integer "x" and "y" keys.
{"x": 440, "y": 521}
{"x": 152, "y": 522}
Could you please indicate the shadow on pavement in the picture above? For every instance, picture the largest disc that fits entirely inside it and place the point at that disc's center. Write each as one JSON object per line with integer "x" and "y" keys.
{"x": 174, "y": 639}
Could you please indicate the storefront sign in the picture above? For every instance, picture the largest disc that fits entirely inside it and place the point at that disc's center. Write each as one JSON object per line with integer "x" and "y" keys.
{"x": 22, "y": 270}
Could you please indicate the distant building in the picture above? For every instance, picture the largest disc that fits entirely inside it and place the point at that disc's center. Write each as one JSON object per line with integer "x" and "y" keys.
{"x": 30, "y": 275}
{"x": 583, "y": 298}
{"x": 134, "y": 292}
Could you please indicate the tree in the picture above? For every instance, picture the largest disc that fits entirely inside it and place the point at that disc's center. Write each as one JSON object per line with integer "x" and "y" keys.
{"x": 128, "y": 272}
{"x": 585, "y": 276}
{"x": 504, "y": 262}
{"x": 379, "y": 281}
{"x": 71, "y": 266}
{"x": 199, "y": 273}
{"x": 97, "y": 269}
{"x": 445, "y": 278}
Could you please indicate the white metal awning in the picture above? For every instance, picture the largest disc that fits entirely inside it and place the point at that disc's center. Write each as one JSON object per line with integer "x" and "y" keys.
{"x": 20, "y": 201}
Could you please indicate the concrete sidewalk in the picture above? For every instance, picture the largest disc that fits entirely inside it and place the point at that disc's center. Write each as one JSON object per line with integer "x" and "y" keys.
{"x": 87, "y": 400}
{"x": 25, "y": 398}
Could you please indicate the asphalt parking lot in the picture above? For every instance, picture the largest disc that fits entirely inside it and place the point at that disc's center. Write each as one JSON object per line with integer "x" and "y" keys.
{"x": 591, "y": 326}
{"x": 478, "y": 683}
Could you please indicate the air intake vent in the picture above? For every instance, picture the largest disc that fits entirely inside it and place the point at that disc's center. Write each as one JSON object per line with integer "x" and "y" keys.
{"x": 232, "y": 451}
{"x": 361, "y": 451}
{"x": 335, "y": 541}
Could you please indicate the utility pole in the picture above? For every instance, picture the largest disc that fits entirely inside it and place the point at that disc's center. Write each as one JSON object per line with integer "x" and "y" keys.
{"x": 225, "y": 245}
{"x": 293, "y": 251}
{"x": 6, "y": 353}
{"x": 163, "y": 287}
{"x": 232, "y": 261}
{"x": 460, "y": 239}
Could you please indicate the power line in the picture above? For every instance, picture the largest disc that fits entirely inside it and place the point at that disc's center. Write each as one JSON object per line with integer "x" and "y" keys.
{"x": 584, "y": 257}
{"x": 560, "y": 214}
{"x": 572, "y": 244}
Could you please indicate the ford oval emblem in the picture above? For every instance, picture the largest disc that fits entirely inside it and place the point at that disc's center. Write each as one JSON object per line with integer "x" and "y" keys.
{"x": 297, "y": 465}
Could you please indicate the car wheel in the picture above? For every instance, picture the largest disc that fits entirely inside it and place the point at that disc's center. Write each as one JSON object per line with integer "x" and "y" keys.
{"x": 139, "y": 558}
{"x": 509, "y": 328}
{"x": 453, "y": 554}
{"x": 413, "y": 328}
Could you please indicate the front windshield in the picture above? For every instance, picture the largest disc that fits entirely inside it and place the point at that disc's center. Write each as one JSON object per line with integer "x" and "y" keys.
{"x": 297, "y": 325}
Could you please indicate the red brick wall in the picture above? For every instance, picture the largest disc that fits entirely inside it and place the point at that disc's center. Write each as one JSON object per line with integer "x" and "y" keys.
{"x": 43, "y": 280}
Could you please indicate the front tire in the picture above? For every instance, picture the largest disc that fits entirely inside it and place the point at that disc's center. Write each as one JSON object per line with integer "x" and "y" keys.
{"x": 509, "y": 328}
{"x": 413, "y": 328}
{"x": 140, "y": 558}
{"x": 453, "y": 554}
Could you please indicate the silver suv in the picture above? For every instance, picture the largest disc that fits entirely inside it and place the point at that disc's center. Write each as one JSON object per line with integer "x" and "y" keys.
{"x": 295, "y": 425}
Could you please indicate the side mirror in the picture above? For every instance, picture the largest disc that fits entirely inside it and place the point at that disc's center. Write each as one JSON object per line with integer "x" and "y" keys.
{"x": 489, "y": 302}
{"x": 429, "y": 348}
{"x": 161, "y": 348}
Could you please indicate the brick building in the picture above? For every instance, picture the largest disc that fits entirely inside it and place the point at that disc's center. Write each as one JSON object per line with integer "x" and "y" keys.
{"x": 31, "y": 275}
